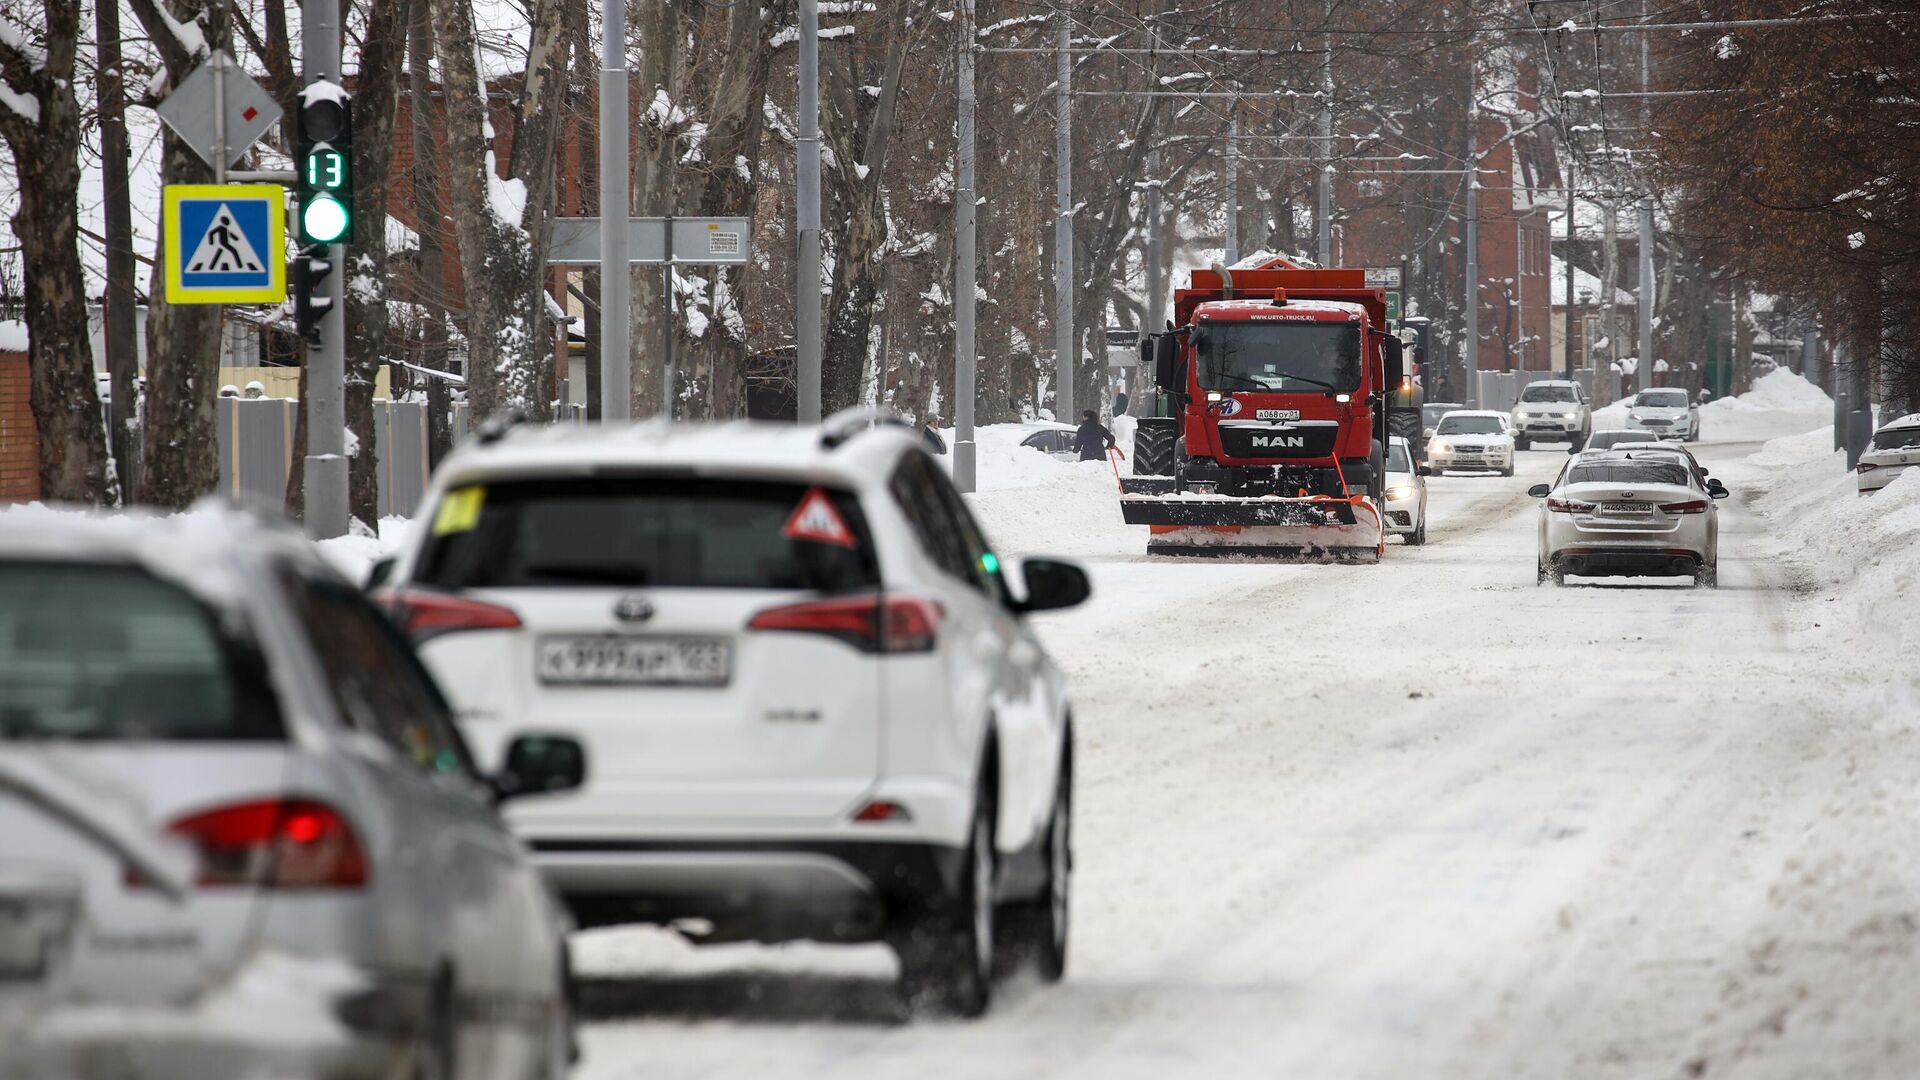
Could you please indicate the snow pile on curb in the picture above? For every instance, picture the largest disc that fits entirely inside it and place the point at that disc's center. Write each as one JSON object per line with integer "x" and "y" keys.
{"x": 1779, "y": 401}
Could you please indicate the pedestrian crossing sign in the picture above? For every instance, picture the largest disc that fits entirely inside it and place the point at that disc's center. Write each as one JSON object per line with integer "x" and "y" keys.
{"x": 226, "y": 243}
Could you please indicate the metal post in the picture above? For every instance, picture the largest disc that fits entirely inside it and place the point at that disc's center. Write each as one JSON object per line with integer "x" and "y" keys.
{"x": 1644, "y": 297}
{"x": 616, "y": 275}
{"x": 1839, "y": 390}
{"x": 666, "y": 344}
{"x": 1063, "y": 223}
{"x": 219, "y": 62}
{"x": 1810, "y": 354}
{"x": 1324, "y": 210}
{"x": 1568, "y": 253}
{"x": 1470, "y": 356}
{"x": 1860, "y": 402}
{"x": 806, "y": 300}
{"x": 326, "y": 462}
{"x": 964, "y": 292}
{"x": 1232, "y": 254}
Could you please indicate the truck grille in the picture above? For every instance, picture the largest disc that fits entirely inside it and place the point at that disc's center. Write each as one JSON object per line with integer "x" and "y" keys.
{"x": 1302, "y": 439}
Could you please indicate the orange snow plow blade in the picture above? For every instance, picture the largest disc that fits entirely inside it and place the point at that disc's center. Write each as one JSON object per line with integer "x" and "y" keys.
{"x": 1316, "y": 526}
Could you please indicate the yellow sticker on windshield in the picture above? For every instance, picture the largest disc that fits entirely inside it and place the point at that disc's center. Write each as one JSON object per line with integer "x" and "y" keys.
{"x": 460, "y": 511}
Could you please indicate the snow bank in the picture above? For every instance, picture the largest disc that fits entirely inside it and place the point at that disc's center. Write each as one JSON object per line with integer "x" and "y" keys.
{"x": 1779, "y": 401}
{"x": 354, "y": 555}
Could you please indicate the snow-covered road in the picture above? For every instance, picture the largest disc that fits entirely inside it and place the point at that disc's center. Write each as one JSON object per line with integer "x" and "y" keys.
{"x": 1416, "y": 819}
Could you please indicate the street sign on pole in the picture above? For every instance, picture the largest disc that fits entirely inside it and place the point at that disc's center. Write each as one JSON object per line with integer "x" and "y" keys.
{"x": 1393, "y": 309}
{"x": 1383, "y": 277}
{"x": 696, "y": 241}
{"x": 196, "y": 107}
{"x": 225, "y": 243}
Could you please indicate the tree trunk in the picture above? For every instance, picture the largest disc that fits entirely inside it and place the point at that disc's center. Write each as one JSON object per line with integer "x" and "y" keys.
{"x": 860, "y": 135}
{"x": 661, "y": 95}
{"x": 180, "y": 461}
{"x": 63, "y": 396}
{"x": 430, "y": 224}
{"x": 500, "y": 258}
{"x": 118, "y": 305}
{"x": 376, "y": 97}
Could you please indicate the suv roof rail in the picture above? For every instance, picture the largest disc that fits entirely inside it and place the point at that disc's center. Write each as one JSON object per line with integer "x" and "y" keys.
{"x": 500, "y": 424}
{"x": 845, "y": 424}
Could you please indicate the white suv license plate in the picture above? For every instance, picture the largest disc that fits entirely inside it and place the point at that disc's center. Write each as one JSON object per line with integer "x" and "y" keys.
{"x": 620, "y": 661}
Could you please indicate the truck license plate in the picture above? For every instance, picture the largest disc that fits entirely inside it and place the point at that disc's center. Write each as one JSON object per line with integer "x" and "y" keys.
{"x": 1277, "y": 414}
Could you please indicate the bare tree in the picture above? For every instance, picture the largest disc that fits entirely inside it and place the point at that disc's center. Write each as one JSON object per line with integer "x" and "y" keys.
{"x": 40, "y": 121}
{"x": 179, "y": 459}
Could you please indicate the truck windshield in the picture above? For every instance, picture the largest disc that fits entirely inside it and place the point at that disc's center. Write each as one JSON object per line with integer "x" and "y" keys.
{"x": 1296, "y": 357}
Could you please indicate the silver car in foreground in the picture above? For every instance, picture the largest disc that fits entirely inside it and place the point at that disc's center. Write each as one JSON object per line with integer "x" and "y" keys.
{"x": 1623, "y": 514}
{"x": 1406, "y": 493}
{"x": 242, "y": 837}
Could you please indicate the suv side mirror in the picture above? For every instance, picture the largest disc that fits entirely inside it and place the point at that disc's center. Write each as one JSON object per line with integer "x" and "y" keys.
{"x": 378, "y": 573}
{"x": 540, "y": 765}
{"x": 1717, "y": 490}
{"x": 1052, "y": 585}
{"x": 1539, "y": 491}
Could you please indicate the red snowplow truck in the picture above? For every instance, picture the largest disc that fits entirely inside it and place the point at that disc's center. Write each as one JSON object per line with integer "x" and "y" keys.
{"x": 1273, "y": 429}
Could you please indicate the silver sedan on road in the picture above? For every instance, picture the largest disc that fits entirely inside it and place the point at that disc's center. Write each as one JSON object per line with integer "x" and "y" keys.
{"x": 242, "y": 837}
{"x": 1622, "y": 513}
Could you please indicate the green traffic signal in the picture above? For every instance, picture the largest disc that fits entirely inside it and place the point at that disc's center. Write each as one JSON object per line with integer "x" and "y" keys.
{"x": 324, "y": 219}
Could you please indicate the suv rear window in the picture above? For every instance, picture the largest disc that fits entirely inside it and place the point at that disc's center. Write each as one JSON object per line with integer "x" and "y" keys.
{"x": 1539, "y": 392}
{"x": 111, "y": 653}
{"x": 643, "y": 531}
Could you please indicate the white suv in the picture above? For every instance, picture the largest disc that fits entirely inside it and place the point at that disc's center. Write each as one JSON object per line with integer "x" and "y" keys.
{"x": 1552, "y": 409}
{"x": 813, "y": 704}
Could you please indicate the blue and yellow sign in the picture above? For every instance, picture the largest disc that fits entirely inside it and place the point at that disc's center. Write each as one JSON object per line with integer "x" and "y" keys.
{"x": 225, "y": 243}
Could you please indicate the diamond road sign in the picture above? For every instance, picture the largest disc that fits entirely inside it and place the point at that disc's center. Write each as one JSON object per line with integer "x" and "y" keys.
{"x": 225, "y": 243}
{"x": 189, "y": 110}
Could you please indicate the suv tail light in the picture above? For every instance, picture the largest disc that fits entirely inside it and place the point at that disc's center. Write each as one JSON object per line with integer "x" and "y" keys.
{"x": 872, "y": 624}
{"x": 1865, "y": 466}
{"x": 1691, "y": 506}
{"x": 1569, "y": 506}
{"x": 423, "y": 615}
{"x": 274, "y": 844}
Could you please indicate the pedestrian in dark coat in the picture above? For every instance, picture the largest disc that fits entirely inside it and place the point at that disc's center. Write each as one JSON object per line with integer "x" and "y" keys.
{"x": 1091, "y": 439}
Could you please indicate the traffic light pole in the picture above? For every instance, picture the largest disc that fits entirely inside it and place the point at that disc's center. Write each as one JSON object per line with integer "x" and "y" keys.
{"x": 326, "y": 460}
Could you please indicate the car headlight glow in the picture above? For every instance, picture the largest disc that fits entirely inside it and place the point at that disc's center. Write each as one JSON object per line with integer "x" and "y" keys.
{"x": 1400, "y": 491}
{"x": 1442, "y": 446}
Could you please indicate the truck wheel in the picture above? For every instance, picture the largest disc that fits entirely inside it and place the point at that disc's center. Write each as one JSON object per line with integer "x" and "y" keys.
{"x": 1153, "y": 440}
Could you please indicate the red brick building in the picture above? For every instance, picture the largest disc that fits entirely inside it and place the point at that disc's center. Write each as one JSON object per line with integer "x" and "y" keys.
{"x": 19, "y": 435}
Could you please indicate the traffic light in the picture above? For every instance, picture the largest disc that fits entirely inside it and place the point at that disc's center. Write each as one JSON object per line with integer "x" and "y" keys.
{"x": 323, "y": 157}
{"x": 311, "y": 300}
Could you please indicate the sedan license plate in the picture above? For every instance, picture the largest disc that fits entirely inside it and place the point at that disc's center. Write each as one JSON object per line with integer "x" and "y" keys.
{"x": 1276, "y": 414}
{"x": 1627, "y": 508}
{"x": 621, "y": 661}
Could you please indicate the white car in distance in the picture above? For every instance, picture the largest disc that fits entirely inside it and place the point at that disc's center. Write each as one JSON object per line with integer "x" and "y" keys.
{"x": 1479, "y": 439}
{"x": 814, "y": 704}
{"x": 1895, "y": 449}
{"x": 1665, "y": 412}
{"x": 1552, "y": 409}
{"x": 1406, "y": 492}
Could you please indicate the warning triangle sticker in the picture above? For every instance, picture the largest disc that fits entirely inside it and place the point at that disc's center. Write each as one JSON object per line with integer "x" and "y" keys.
{"x": 224, "y": 248}
{"x": 816, "y": 519}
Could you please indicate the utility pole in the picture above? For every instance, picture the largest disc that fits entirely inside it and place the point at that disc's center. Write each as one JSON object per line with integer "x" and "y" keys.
{"x": 806, "y": 299}
{"x": 1810, "y": 354}
{"x": 964, "y": 357}
{"x": 1232, "y": 254}
{"x": 1470, "y": 356}
{"x": 1568, "y": 255}
{"x": 325, "y": 479}
{"x": 1324, "y": 210}
{"x": 1063, "y": 222}
{"x": 117, "y": 306}
{"x": 1644, "y": 296}
{"x": 616, "y": 275}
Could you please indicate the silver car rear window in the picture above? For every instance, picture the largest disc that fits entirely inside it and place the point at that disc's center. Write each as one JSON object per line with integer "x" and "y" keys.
{"x": 111, "y": 653}
{"x": 1628, "y": 472}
